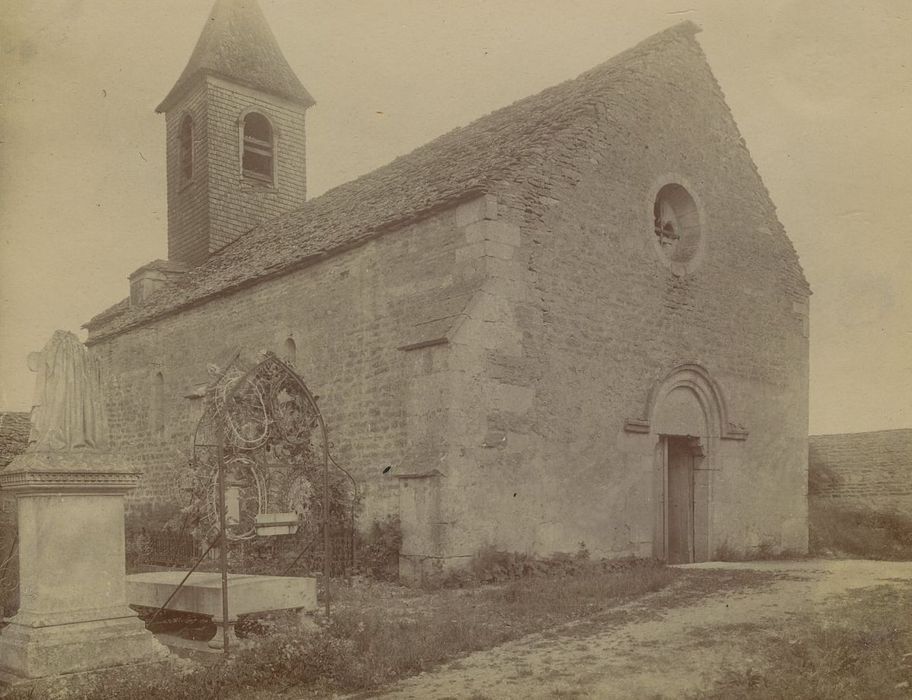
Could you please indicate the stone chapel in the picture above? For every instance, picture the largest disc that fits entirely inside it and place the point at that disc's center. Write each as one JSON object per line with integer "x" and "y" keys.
{"x": 576, "y": 320}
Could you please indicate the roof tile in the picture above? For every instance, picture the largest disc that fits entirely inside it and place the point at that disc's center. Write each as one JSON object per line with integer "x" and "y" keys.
{"x": 499, "y": 152}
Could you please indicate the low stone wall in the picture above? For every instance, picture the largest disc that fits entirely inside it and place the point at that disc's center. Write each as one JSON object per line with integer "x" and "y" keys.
{"x": 867, "y": 470}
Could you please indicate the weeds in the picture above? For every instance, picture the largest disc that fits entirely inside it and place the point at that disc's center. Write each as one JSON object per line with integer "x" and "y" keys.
{"x": 492, "y": 565}
{"x": 863, "y": 651}
{"x": 860, "y": 533}
{"x": 765, "y": 551}
{"x": 378, "y": 550}
{"x": 9, "y": 573}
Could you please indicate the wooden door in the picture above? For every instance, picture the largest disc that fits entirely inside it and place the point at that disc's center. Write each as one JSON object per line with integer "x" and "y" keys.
{"x": 679, "y": 502}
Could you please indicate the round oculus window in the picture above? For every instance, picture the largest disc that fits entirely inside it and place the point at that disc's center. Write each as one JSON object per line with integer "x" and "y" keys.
{"x": 676, "y": 227}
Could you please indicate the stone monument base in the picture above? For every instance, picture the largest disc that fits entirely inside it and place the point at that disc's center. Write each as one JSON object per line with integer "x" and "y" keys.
{"x": 73, "y": 614}
{"x": 36, "y": 652}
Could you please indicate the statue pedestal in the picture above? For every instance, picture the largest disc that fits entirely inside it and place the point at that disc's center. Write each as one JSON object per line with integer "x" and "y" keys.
{"x": 73, "y": 613}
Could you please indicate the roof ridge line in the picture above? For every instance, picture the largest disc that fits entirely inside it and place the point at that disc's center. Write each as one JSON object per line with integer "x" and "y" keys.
{"x": 684, "y": 28}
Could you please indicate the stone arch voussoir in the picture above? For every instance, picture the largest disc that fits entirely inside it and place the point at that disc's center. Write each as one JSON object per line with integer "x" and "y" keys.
{"x": 708, "y": 394}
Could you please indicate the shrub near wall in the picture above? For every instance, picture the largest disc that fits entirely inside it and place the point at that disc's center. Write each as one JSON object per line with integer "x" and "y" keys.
{"x": 14, "y": 434}
{"x": 859, "y": 532}
{"x": 860, "y": 494}
{"x": 9, "y": 571}
{"x": 378, "y": 550}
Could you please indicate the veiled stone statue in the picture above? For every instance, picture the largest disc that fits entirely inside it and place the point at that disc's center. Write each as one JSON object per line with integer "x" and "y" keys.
{"x": 68, "y": 409}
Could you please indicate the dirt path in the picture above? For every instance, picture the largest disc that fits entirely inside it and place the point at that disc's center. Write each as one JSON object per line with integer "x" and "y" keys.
{"x": 653, "y": 648}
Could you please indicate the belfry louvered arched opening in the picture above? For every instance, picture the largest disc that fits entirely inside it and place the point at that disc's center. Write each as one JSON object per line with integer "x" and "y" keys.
{"x": 258, "y": 158}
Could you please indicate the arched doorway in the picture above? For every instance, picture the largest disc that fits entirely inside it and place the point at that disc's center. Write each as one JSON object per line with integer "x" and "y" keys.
{"x": 685, "y": 417}
{"x": 680, "y": 420}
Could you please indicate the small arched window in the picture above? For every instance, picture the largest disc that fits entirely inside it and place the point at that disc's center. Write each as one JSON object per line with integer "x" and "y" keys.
{"x": 259, "y": 148}
{"x": 186, "y": 148}
{"x": 157, "y": 409}
{"x": 290, "y": 351}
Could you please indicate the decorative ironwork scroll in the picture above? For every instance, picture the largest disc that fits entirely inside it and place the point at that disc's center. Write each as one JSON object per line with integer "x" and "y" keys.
{"x": 261, "y": 466}
{"x": 275, "y": 449}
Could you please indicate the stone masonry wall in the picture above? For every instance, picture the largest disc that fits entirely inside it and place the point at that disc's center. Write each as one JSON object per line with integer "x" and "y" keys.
{"x": 188, "y": 201}
{"x": 863, "y": 470}
{"x": 599, "y": 320}
{"x": 494, "y": 353}
{"x": 348, "y": 316}
{"x": 238, "y": 204}
{"x": 218, "y": 204}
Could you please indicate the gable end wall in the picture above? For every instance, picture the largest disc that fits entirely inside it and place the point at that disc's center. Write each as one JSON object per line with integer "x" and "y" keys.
{"x": 601, "y": 321}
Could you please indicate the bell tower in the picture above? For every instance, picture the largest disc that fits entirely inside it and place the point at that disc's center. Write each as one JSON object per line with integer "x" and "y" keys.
{"x": 235, "y": 135}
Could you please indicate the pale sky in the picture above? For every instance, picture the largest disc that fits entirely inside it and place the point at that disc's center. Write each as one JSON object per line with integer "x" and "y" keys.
{"x": 821, "y": 89}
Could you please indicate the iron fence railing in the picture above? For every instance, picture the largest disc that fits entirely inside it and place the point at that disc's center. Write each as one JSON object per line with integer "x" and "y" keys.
{"x": 294, "y": 555}
{"x": 166, "y": 548}
{"x": 284, "y": 555}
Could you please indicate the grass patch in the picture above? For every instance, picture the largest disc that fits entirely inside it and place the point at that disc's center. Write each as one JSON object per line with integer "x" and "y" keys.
{"x": 859, "y": 533}
{"x": 384, "y": 634}
{"x": 474, "y": 620}
{"x": 863, "y": 649}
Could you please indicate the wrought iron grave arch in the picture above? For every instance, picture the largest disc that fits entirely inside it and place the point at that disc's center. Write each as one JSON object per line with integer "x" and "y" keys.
{"x": 259, "y": 449}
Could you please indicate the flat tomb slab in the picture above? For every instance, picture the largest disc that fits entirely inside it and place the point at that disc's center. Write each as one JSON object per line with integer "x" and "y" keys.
{"x": 202, "y": 593}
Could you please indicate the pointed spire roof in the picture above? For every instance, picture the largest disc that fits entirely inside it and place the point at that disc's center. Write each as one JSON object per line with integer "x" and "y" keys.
{"x": 238, "y": 45}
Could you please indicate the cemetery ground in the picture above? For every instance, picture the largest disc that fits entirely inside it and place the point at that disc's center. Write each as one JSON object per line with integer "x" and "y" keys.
{"x": 803, "y": 629}
{"x": 569, "y": 627}
{"x": 792, "y": 629}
